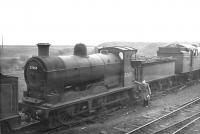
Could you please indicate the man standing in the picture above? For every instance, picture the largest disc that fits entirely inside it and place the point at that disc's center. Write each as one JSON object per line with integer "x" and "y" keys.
{"x": 145, "y": 92}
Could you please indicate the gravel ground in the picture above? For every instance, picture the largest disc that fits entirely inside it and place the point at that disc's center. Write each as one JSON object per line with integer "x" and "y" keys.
{"x": 138, "y": 114}
{"x": 194, "y": 129}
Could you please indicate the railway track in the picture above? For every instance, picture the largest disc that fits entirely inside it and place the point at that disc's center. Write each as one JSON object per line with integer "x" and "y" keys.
{"x": 174, "y": 122}
{"x": 191, "y": 128}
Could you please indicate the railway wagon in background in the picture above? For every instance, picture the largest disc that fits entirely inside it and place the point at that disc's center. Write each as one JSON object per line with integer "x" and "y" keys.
{"x": 187, "y": 56}
{"x": 8, "y": 101}
{"x": 187, "y": 59}
{"x": 174, "y": 64}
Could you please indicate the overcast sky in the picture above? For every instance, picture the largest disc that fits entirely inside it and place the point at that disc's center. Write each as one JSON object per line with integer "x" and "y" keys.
{"x": 67, "y": 22}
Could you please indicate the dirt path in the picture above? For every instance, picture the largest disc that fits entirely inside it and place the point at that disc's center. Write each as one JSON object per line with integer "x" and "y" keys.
{"x": 139, "y": 114}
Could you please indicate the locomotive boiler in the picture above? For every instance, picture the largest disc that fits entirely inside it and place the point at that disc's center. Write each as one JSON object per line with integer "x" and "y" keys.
{"x": 48, "y": 75}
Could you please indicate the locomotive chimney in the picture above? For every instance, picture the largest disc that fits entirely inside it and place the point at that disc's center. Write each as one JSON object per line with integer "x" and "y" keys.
{"x": 43, "y": 49}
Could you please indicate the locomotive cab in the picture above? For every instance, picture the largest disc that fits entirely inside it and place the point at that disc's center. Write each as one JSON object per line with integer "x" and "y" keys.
{"x": 125, "y": 54}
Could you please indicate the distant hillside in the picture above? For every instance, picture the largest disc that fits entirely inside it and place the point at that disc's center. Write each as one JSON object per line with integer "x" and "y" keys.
{"x": 144, "y": 48}
{"x": 137, "y": 45}
{"x": 151, "y": 49}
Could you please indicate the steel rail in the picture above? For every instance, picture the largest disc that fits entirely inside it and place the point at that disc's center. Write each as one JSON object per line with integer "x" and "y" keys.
{"x": 164, "y": 116}
{"x": 179, "y": 131}
{"x": 183, "y": 123}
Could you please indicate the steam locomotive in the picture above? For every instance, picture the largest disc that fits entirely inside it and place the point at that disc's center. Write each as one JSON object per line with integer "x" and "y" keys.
{"x": 62, "y": 88}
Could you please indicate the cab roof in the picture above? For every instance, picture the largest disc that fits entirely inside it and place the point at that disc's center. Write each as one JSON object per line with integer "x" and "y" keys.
{"x": 120, "y": 48}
